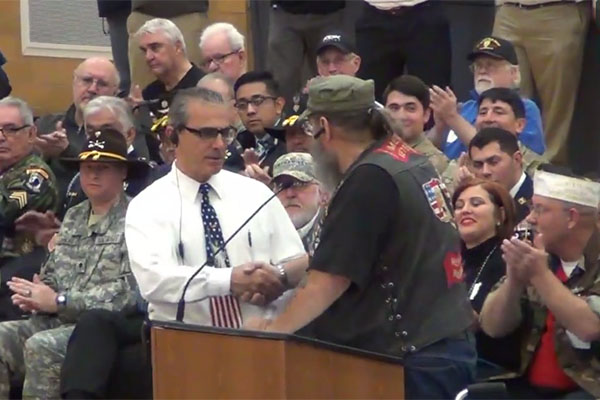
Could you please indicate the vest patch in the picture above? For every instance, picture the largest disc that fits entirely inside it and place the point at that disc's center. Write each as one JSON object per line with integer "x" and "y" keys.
{"x": 453, "y": 268}
{"x": 436, "y": 194}
{"x": 397, "y": 149}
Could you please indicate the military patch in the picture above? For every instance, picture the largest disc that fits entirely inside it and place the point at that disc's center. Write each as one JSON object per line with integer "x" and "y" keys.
{"x": 34, "y": 182}
{"x": 453, "y": 267}
{"x": 436, "y": 194}
{"x": 397, "y": 149}
{"x": 40, "y": 171}
{"x": 20, "y": 197}
{"x": 521, "y": 200}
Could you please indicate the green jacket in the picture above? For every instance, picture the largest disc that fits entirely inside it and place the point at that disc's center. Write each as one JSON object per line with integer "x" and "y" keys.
{"x": 28, "y": 185}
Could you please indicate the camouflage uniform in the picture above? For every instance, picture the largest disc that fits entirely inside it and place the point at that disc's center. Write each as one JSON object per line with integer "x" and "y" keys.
{"x": 27, "y": 185}
{"x": 90, "y": 266}
{"x": 428, "y": 149}
{"x": 583, "y": 366}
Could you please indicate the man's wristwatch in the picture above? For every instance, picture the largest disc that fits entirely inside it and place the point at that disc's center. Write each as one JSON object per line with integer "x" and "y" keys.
{"x": 61, "y": 301}
{"x": 283, "y": 275}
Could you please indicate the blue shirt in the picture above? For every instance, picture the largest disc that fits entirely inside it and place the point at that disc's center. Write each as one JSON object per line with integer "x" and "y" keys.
{"x": 532, "y": 136}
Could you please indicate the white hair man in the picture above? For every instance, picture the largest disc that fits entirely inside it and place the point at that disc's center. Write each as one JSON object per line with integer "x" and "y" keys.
{"x": 304, "y": 198}
{"x": 189, "y": 16}
{"x": 551, "y": 293}
{"x": 494, "y": 65}
{"x": 223, "y": 50}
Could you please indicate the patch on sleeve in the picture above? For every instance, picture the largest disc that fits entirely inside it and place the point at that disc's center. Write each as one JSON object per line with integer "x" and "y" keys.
{"x": 36, "y": 178}
{"x": 20, "y": 197}
{"x": 397, "y": 149}
{"x": 453, "y": 267}
{"x": 437, "y": 197}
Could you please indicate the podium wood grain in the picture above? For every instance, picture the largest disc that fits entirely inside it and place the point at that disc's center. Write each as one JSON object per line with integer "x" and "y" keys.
{"x": 202, "y": 365}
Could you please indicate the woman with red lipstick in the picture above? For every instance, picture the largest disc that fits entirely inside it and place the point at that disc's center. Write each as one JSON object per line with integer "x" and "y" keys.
{"x": 485, "y": 215}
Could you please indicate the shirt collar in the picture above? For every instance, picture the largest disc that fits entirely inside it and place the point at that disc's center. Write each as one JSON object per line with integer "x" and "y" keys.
{"x": 189, "y": 187}
{"x": 130, "y": 149}
{"x": 515, "y": 189}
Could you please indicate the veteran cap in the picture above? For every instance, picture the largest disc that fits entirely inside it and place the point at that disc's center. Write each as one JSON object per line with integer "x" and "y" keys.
{"x": 338, "y": 40}
{"x": 566, "y": 188}
{"x": 297, "y": 165}
{"x": 339, "y": 93}
{"x": 494, "y": 47}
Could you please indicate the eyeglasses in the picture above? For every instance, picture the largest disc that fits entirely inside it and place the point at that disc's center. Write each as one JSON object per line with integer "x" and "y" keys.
{"x": 218, "y": 59}
{"x": 228, "y": 134}
{"x": 490, "y": 66}
{"x": 296, "y": 184}
{"x": 88, "y": 81}
{"x": 256, "y": 101}
{"x": 11, "y": 130}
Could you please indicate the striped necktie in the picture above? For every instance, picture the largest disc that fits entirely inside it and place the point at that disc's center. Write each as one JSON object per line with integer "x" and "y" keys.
{"x": 224, "y": 310}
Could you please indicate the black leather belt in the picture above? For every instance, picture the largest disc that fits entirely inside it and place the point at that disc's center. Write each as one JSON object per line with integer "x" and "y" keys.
{"x": 536, "y": 6}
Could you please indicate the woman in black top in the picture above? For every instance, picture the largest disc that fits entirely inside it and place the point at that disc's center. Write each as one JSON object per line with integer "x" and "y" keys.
{"x": 485, "y": 215}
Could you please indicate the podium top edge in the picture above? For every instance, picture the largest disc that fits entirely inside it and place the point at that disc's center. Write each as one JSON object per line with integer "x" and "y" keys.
{"x": 277, "y": 336}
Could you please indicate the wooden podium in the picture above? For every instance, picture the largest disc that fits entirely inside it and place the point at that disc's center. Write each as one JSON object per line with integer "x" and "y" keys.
{"x": 197, "y": 362}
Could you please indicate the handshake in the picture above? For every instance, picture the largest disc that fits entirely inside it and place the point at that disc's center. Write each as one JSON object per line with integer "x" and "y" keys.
{"x": 257, "y": 282}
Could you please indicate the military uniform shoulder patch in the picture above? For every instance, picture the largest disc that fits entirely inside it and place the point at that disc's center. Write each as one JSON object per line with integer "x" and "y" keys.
{"x": 36, "y": 178}
{"x": 437, "y": 195}
{"x": 20, "y": 197}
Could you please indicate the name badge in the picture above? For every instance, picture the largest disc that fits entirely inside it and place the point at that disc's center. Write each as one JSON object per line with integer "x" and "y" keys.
{"x": 475, "y": 290}
{"x": 578, "y": 343}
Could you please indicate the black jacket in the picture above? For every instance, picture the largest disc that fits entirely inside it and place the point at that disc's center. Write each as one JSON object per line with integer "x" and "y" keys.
{"x": 106, "y": 8}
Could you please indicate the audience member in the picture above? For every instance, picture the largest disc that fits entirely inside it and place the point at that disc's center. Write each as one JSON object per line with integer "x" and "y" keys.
{"x": 62, "y": 135}
{"x": 116, "y": 12}
{"x": 295, "y": 30}
{"x": 398, "y": 35}
{"x": 495, "y": 156}
{"x": 494, "y": 65}
{"x": 551, "y": 292}
{"x": 190, "y": 17}
{"x": 549, "y": 38}
{"x": 34, "y": 348}
{"x": 504, "y": 108}
{"x": 27, "y": 183}
{"x": 223, "y": 50}
{"x": 485, "y": 216}
{"x": 165, "y": 52}
{"x": 407, "y": 100}
{"x": 362, "y": 229}
{"x": 260, "y": 105}
{"x": 304, "y": 199}
{"x": 166, "y": 248}
{"x": 337, "y": 55}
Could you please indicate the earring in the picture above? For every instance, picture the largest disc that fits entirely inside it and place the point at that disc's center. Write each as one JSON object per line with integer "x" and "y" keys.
{"x": 498, "y": 223}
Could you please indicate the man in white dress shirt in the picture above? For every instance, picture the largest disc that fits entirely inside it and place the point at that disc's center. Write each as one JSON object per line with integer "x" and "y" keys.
{"x": 168, "y": 222}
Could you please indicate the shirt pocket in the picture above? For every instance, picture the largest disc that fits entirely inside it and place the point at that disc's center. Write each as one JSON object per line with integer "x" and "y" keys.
{"x": 107, "y": 260}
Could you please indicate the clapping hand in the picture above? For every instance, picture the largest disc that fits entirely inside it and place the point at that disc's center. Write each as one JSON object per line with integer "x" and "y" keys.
{"x": 54, "y": 143}
{"x": 42, "y": 226}
{"x": 33, "y": 296}
{"x": 523, "y": 260}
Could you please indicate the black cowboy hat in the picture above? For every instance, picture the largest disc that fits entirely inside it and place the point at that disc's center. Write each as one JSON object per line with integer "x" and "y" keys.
{"x": 109, "y": 145}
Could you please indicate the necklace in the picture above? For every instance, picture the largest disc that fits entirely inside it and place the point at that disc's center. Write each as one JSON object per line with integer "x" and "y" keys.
{"x": 481, "y": 270}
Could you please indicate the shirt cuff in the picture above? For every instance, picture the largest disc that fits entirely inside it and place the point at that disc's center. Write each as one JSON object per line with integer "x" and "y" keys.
{"x": 594, "y": 303}
{"x": 217, "y": 284}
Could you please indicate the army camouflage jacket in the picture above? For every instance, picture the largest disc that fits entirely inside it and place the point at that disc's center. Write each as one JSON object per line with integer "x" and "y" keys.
{"x": 428, "y": 149}
{"x": 582, "y": 364}
{"x": 28, "y": 185}
{"x": 90, "y": 264}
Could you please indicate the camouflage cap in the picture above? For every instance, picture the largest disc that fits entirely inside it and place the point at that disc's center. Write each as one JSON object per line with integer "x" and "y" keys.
{"x": 297, "y": 165}
{"x": 339, "y": 93}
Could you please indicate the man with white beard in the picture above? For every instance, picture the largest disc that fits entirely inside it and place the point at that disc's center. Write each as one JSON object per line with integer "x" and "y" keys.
{"x": 494, "y": 64}
{"x": 305, "y": 199}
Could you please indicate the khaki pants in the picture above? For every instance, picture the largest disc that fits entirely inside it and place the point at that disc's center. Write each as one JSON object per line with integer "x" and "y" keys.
{"x": 549, "y": 42}
{"x": 191, "y": 26}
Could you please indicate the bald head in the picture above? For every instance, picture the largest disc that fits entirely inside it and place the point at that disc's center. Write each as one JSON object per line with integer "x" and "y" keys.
{"x": 95, "y": 76}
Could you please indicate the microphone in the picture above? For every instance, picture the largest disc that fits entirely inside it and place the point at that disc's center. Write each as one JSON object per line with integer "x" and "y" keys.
{"x": 181, "y": 304}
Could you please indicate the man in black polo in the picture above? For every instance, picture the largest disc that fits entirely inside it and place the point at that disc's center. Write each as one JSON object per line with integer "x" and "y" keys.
{"x": 386, "y": 275}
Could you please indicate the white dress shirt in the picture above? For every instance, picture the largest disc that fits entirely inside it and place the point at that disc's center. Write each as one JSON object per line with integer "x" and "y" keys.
{"x": 168, "y": 211}
{"x": 515, "y": 189}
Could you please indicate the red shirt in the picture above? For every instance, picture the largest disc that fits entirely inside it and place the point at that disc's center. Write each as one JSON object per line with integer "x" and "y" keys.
{"x": 545, "y": 371}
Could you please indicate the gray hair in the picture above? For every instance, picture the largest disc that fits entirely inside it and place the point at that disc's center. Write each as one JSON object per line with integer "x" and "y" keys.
{"x": 118, "y": 107}
{"x": 24, "y": 109}
{"x": 218, "y": 76}
{"x": 165, "y": 26}
{"x": 178, "y": 115}
{"x": 235, "y": 38}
